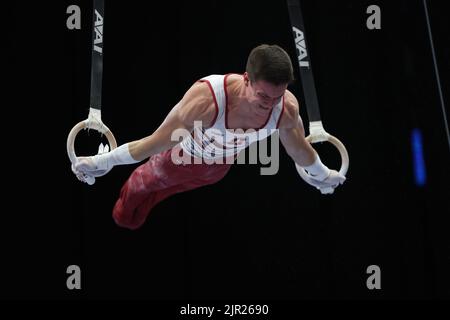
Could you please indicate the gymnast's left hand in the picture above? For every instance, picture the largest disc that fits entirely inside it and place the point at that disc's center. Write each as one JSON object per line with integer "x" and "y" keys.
{"x": 331, "y": 182}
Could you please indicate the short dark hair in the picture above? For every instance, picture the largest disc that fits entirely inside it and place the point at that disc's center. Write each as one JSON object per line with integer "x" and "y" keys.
{"x": 270, "y": 63}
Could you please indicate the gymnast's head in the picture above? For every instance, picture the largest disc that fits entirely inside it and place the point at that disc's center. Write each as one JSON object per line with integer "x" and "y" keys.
{"x": 268, "y": 73}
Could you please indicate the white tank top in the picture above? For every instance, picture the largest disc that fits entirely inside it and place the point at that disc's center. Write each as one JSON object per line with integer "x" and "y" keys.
{"x": 219, "y": 142}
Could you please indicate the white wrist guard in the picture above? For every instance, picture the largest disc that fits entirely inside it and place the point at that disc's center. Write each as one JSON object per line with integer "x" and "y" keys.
{"x": 317, "y": 170}
{"x": 118, "y": 156}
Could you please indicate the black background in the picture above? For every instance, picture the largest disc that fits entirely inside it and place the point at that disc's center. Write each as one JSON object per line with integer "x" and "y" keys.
{"x": 249, "y": 236}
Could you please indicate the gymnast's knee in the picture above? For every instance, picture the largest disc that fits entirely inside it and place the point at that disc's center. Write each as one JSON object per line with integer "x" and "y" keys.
{"x": 128, "y": 221}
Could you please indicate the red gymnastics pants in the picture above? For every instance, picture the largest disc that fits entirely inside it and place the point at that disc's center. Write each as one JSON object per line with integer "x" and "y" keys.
{"x": 158, "y": 179}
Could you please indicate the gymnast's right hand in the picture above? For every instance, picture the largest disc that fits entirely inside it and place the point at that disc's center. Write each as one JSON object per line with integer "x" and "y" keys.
{"x": 87, "y": 168}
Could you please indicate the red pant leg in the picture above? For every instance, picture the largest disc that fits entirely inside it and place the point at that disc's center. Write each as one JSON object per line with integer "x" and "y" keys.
{"x": 156, "y": 180}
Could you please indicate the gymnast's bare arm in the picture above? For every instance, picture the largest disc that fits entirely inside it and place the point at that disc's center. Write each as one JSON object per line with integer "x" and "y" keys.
{"x": 196, "y": 105}
{"x": 292, "y": 136}
{"x": 292, "y": 133}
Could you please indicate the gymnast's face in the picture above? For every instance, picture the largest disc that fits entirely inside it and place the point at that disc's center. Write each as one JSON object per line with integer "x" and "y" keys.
{"x": 262, "y": 95}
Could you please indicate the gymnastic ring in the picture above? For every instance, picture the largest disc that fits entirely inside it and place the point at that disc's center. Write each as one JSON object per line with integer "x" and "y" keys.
{"x": 326, "y": 137}
{"x": 82, "y": 125}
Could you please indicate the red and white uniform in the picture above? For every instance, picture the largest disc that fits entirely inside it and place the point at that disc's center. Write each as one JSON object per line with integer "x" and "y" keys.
{"x": 218, "y": 141}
